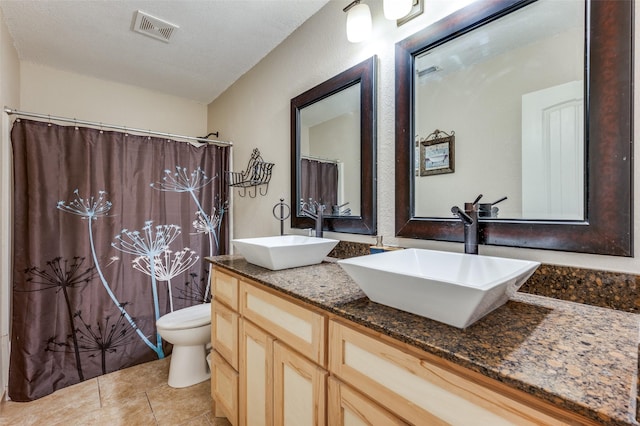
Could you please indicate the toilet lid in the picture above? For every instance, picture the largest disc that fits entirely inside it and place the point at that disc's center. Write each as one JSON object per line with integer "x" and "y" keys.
{"x": 193, "y": 316}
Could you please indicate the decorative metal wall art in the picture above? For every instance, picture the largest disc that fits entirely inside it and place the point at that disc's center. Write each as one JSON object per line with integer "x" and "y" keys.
{"x": 257, "y": 174}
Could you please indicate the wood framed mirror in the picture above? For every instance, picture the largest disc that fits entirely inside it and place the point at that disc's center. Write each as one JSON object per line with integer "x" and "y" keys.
{"x": 603, "y": 223}
{"x": 333, "y": 151}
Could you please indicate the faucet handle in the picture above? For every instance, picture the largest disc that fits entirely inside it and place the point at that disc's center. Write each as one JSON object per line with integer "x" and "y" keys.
{"x": 466, "y": 219}
{"x": 472, "y": 207}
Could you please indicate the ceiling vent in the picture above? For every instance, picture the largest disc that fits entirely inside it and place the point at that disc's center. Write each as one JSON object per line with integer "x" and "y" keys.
{"x": 153, "y": 27}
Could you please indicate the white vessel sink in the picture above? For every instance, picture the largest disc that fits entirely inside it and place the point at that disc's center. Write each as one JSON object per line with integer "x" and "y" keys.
{"x": 453, "y": 288}
{"x": 286, "y": 251}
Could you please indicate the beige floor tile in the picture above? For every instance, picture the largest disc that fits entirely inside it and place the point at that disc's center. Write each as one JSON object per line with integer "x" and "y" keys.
{"x": 122, "y": 384}
{"x": 202, "y": 420}
{"x": 136, "y": 396}
{"x": 134, "y": 411}
{"x": 61, "y": 405}
{"x": 27, "y": 419}
{"x": 218, "y": 421}
{"x": 175, "y": 406}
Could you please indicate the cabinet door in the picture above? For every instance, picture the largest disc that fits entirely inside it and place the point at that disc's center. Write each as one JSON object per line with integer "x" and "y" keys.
{"x": 346, "y": 407}
{"x": 224, "y": 332}
{"x": 299, "y": 389}
{"x": 256, "y": 376}
{"x": 224, "y": 388}
{"x": 224, "y": 288}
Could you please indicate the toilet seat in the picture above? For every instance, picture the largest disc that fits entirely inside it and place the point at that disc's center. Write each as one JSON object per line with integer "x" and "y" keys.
{"x": 191, "y": 317}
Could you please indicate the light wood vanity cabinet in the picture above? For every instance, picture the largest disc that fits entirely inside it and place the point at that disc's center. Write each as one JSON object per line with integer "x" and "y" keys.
{"x": 256, "y": 384}
{"x": 348, "y": 407}
{"x": 424, "y": 389}
{"x": 224, "y": 331}
{"x": 299, "y": 327}
{"x": 280, "y": 353}
{"x": 299, "y": 389}
{"x": 224, "y": 340}
{"x": 293, "y": 380}
{"x": 279, "y": 361}
{"x": 225, "y": 288}
{"x": 278, "y": 386}
{"x": 224, "y": 388}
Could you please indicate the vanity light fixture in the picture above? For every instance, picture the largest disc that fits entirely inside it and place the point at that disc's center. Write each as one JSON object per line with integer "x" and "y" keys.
{"x": 396, "y": 9}
{"x": 358, "y": 21}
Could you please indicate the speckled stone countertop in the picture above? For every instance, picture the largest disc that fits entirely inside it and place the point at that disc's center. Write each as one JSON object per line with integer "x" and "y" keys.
{"x": 580, "y": 357}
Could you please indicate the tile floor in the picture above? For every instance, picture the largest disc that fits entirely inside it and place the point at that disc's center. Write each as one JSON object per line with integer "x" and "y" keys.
{"x": 135, "y": 396}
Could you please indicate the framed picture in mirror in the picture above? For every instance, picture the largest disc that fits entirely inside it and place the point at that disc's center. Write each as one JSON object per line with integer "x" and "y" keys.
{"x": 437, "y": 153}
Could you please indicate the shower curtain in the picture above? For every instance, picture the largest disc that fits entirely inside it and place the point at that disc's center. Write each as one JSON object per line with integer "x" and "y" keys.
{"x": 319, "y": 182}
{"x": 110, "y": 233}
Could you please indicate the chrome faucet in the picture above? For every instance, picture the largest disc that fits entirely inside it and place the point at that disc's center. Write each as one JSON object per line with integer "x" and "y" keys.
{"x": 315, "y": 211}
{"x": 469, "y": 218}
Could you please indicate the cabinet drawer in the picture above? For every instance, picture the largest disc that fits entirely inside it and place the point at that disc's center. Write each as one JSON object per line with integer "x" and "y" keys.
{"x": 224, "y": 388}
{"x": 418, "y": 390}
{"x": 224, "y": 332}
{"x": 224, "y": 288}
{"x": 346, "y": 407}
{"x": 298, "y": 327}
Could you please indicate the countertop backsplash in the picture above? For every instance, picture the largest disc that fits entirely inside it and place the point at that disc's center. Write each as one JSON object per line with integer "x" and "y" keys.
{"x": 347, "y": 249}
{"x": 613, "y": 290}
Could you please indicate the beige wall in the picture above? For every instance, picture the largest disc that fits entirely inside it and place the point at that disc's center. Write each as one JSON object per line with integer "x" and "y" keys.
{"x": 9, "y": 95}
{"x": 254, "y": 112}
{"x": 50, "y": 91}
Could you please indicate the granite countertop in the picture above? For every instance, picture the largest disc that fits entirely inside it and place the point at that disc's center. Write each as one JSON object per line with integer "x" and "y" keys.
{"x": 579, "y": 357}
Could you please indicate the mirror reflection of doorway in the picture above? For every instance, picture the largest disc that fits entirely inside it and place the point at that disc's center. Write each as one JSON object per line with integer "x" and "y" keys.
{"x": 553, "y": 152}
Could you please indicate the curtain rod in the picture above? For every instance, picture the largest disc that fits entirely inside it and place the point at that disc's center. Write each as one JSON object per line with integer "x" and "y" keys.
{"x": 10, "y": 111}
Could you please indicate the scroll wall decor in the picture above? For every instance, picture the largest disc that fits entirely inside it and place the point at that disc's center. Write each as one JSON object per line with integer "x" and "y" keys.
{"x": 257, "y": 176}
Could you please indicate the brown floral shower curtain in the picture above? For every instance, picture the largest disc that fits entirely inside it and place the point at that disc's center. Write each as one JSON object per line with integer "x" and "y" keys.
{"x": 110, "y": 232}
{"x": 319, "y": 182}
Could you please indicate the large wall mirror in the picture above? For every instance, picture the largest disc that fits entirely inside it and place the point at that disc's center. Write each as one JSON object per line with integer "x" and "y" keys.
{"x": 525, "y": 102}
{"x": 333, "y": 151}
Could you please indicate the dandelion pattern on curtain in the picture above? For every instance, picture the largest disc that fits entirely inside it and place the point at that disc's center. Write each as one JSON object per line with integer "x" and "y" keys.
{"x": 106, "y": 241}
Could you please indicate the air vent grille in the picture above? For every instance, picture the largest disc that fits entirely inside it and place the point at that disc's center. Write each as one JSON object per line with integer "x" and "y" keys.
{"x": 153, "y": 27}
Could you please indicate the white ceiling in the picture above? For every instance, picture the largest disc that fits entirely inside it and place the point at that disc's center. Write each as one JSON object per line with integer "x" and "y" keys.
{"x": 217, "y": 42}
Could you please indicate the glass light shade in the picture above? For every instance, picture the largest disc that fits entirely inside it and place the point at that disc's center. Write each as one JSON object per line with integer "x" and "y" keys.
{"x": 358, "y": 23}
{"x": 396, "y": 9}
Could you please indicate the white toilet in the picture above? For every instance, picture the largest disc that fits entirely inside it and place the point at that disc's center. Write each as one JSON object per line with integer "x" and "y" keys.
{"x": 189, "y": 330}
